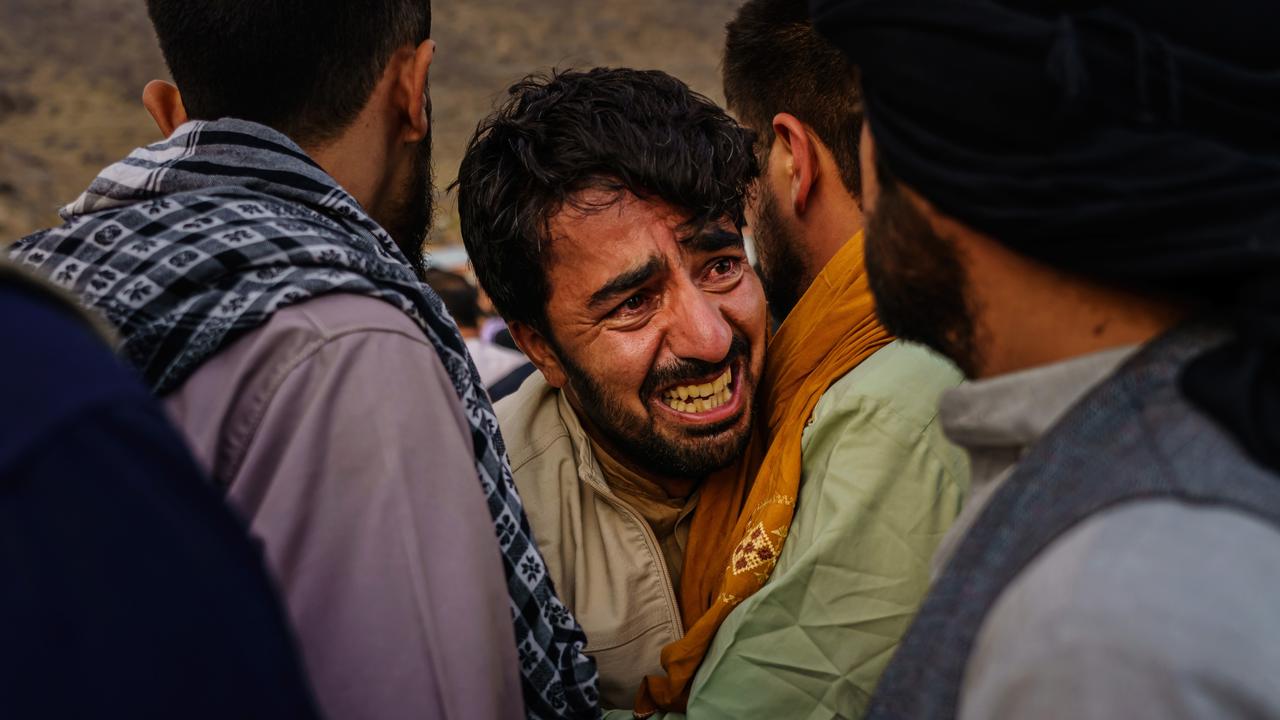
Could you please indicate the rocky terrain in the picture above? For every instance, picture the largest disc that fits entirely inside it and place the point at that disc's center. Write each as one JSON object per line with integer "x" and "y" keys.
{"x": 71, "y": 73}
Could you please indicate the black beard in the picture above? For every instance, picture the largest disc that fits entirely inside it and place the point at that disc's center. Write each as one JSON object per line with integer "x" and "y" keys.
{"x": 780, "y": 267}
{"x": 693, "y": 456}
{"x": 410, "y": 222}
{"x": 918, "y": 279}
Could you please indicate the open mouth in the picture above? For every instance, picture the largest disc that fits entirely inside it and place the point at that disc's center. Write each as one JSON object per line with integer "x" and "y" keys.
{"x": 699, "y": 398}
{"x": 707, "y": 402}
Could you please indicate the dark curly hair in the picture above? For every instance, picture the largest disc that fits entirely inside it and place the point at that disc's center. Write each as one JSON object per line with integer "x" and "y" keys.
{"x": 557, "y": 135}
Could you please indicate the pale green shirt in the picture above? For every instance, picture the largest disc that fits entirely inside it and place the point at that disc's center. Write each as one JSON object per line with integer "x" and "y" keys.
{"x": 880, "y": 488}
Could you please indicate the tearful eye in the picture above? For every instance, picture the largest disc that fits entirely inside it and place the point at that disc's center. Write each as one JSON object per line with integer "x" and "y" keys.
{"x": 632, "y": 306}
{"x": 723, "y": 271}
{"x": 635, "y": 309}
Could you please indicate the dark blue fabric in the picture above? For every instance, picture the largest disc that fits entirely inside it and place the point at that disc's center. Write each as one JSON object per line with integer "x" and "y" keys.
{"x": 511, "y": 382}
{"x": 129, "y": 590}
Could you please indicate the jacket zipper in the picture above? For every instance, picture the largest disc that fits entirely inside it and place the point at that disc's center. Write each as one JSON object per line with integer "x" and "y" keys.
{"x": 655, "y": 548}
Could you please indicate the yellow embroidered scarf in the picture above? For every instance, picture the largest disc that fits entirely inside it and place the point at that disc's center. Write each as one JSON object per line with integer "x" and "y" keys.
{"x": 740, "y": 525}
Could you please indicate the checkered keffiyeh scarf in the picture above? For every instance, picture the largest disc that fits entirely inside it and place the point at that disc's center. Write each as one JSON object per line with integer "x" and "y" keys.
{"x": 189, "y": 243}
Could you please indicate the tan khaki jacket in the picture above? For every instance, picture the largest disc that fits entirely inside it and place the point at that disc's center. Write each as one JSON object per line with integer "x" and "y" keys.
{"x": 603, "y": 557}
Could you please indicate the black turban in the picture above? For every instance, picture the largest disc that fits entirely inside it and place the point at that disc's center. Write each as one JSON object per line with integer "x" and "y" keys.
{"x": 1133, "y": 141}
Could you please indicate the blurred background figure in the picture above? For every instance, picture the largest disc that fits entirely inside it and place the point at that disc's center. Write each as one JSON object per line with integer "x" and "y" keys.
{"x": 502, "y": 369}
{"x": 129, "y": 588}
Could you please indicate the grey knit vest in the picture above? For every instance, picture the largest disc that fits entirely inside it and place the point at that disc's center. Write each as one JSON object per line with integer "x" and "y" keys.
{"x": 1133, "y": 437}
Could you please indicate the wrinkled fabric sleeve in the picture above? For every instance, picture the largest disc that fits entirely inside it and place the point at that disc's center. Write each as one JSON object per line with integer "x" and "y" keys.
{"x": 879, "y": 494}
{"x": 362, "y": 483}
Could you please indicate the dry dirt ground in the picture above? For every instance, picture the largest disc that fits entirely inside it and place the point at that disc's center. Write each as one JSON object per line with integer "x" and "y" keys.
{"x": 71, "y": 72}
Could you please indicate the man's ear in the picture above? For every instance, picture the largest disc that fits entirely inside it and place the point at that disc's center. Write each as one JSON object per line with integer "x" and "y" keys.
{"x": 540, "y": 352}
{"x": 411, "y": 92}
{"x": 801, "y": 158}
{"x": 870, "y": 193}
{"x": 164, "y": 102}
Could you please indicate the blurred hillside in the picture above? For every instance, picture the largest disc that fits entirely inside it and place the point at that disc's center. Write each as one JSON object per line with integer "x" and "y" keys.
{"x": 71, "y": 73}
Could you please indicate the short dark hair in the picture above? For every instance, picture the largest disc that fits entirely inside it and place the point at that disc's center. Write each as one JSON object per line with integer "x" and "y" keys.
{"x": 460, "y": 297}
{"x": 303, "y": 67}
{"x": 557, "y": 135}
{"x": 774, "y": 61}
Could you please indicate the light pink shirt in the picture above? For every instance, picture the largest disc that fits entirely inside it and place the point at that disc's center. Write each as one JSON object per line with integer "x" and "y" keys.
{"x": 338, "y": 435}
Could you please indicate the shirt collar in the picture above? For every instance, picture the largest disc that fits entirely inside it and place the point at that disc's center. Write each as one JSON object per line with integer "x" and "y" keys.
{"x": 1016, "y": 409}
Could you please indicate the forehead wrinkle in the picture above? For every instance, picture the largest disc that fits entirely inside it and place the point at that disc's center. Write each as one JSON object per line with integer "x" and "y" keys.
{"x": 712, "y": 239}
{"x": 628, "y": 280}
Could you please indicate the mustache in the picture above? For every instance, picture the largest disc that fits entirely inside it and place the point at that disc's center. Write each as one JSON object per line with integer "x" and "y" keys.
{"x": 679, "y": 370}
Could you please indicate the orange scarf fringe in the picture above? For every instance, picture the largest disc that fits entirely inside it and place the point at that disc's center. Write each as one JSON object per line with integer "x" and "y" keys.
{"x": 740, "y": 526}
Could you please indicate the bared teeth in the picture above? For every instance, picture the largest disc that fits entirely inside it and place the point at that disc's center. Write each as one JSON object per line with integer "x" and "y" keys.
{"x": 707, "y": 392}
{"x": 700, "y": 405}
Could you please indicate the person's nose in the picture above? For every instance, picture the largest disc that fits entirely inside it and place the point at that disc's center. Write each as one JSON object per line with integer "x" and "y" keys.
{"x": 699, "y": 329}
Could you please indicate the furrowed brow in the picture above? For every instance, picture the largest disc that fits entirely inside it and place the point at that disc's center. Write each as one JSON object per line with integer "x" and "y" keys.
{"x": 713, "y": 239}
{"x": 626, "y": 282}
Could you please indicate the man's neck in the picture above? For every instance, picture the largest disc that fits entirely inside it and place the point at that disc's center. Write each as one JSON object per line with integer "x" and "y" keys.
{"x": 359, "y": 160}
{"x": 832, "y": 221}
{"x": 1029, "y": 315}
{"x": 618, "y": 469}
{"x": 674, "y": 487}
{"x": 359, "y": 176}
{"x": 1062, "y": 339}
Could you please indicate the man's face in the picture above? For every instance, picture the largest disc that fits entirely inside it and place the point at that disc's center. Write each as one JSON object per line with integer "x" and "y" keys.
{"x": 916, "y": 275}
{"x": 782, "y": 269}
{"x": 659, "y": 330}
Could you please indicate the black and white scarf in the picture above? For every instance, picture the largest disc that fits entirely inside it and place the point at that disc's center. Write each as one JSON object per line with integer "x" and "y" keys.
{"x": 187, "y": 244}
